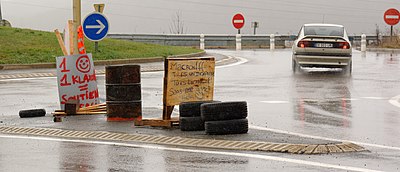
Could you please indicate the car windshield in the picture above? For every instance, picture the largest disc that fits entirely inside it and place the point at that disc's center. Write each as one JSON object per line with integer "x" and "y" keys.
{"x": 323, "y": 30}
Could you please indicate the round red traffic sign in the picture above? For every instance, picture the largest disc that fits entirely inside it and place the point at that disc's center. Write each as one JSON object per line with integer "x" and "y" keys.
{"x": 238, "y": 21}
{"x": 391, "y": 16}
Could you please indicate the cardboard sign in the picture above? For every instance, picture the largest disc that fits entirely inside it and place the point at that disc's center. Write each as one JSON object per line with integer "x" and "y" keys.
{"x": 188, "y": 79}
{"x": 77, "y": 80}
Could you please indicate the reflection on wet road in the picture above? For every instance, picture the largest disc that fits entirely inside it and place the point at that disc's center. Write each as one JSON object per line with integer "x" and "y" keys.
{"x": 320, "y": 102}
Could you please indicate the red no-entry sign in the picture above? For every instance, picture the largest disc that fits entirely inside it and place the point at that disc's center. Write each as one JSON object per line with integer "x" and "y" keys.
{"x": 391, "y": 16}
{"x": 238, "y": 21}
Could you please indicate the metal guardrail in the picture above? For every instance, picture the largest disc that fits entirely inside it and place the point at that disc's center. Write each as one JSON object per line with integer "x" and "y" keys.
{"x": 222, "y": 40}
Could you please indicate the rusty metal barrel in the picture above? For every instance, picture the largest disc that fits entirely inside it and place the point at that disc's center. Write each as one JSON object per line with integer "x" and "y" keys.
{"x": 123, "y": 93}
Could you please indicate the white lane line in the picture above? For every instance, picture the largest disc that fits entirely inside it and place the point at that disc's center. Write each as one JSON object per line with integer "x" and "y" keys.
{"x": 241, "y": 61}
{"x": 263, "y": 157}
{"x": 322, "y": 112}
{"x": 374, "y": 98}
{"x": 275, "y": 102}
{"x": 323, "y": 138}
{"x": 3, "y": 78}
{"x": 395, "y": 101}
{"x": 24, "y": 79}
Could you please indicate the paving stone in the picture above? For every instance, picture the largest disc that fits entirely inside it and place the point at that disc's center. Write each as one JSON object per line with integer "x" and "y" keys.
{"x": 309, "y": 149}
{"x": 320, "y": 149}
{"x": 345, "y": 148}
{"x": 333, "y": 149}
{"x": 358, "y": 148}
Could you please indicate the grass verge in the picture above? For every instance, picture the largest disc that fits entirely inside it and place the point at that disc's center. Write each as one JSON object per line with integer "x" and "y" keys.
{"x": 25, "y": 46}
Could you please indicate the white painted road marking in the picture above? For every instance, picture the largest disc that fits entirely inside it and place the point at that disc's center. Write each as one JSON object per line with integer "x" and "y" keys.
{"x": 374, "y": 98}
{"x": 241, "y": 61}
{"x": 256, "y": 156}
{"x": 275, "y": 102}
{"x": 395, "y": 101}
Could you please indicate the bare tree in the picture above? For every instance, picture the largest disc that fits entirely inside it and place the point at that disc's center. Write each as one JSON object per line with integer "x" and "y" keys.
{"x": 177, "y": 26}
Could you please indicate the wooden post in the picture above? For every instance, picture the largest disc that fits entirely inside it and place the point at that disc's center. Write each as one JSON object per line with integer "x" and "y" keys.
{"x": 77, "y": 23}
{"x": 167, "y": 110}
{"x": 61, "y": 43}
{"x": 71, "y": 37}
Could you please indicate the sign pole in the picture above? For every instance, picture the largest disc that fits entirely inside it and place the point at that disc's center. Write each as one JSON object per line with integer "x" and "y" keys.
{"x": 391, "y": 33}
{"x": 96, "y": 44}
{"x": 1, "y": 16}
{"x": 238, "y": 31}
{"x": 77, "y": 23}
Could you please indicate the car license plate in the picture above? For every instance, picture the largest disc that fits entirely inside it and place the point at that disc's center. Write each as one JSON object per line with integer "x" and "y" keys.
{"x": 323, "y": 45}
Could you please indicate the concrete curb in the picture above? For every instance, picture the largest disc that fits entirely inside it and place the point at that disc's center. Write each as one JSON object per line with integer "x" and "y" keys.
{"x": 384, "y": 49}
{"x": 96, "y": 63}
{"x": 381, "y": 49}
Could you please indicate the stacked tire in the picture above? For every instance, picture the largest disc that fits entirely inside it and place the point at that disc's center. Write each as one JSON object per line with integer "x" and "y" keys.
{"x": 225, "y": 117}
{"x": 190, "y": 116}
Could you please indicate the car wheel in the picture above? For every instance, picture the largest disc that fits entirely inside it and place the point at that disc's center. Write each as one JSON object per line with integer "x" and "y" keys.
{"x": 348, "y": 69}
{"x": 295, "y": 66}
{"x": 32, "y": 113}
{"x": 236, "y": 126}
{"x": 191, "y": 123}
{"x": 224, "y": 111}
{"x": 191, "y": 109}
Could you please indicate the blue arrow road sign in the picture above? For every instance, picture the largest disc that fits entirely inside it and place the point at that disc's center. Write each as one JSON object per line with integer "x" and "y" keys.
{"x": 95, "y": 26}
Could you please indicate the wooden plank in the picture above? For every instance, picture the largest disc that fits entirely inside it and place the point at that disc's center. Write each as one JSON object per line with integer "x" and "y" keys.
{"x": 71, "y": 36}
{"x": 102, "y": 105}
{"x": 157, "y": 122}
{"x": 188, "y": 79}
{"x": 167, "y": 111}
{"x": 79, "y": 113}
{"x": 61, "y": 42}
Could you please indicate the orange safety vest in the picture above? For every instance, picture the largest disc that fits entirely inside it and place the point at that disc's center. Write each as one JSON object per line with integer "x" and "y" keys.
{"x": 81, "y": 44}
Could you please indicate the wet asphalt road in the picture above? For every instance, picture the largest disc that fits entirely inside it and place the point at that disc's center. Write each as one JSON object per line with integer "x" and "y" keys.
{"x": 322, "y": 104}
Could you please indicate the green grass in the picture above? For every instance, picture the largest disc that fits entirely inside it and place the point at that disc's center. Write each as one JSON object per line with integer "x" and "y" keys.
{"x": 25, "y": 46}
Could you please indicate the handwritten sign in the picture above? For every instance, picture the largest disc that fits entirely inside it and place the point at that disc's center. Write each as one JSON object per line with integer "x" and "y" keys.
{"x": 188, "y": 79}
{"x": 77, "y": 80}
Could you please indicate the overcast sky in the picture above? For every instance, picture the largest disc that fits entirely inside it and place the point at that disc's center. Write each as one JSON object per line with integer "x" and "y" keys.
{"x": 205, "y": 16}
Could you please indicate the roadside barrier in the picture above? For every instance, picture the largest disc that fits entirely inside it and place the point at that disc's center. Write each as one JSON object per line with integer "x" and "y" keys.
{"x": 123, "y": 93}
{"x": 190, "y": 116}
{"x": 225, "y": 117}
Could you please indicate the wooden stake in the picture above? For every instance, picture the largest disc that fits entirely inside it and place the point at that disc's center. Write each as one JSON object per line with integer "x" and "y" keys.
{"x": 71, "y": 36}
{"x": 61, "y": 42}
{"x": 77, "y": 23}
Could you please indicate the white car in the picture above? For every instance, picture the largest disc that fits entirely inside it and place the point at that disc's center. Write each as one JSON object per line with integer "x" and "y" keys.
{"x": 322, "y": 45}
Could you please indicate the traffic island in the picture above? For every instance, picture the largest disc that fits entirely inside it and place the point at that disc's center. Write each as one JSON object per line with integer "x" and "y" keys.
{"x": 189, "y": 142}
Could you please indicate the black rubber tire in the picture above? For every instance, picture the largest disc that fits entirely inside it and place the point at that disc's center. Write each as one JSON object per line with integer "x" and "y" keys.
{"x": 224, "y": 111}
{"x": 32, "y": 113}
{"x": 348, "y": 69}
{"x": 191, "y": 124}
{"x": 191, "y": 109}
{"x": 236, "y": 126}
{"x": 295, "y": 67}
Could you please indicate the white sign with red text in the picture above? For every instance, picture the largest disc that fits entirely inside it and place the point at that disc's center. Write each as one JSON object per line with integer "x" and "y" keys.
{"x": 77, "y": 80}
